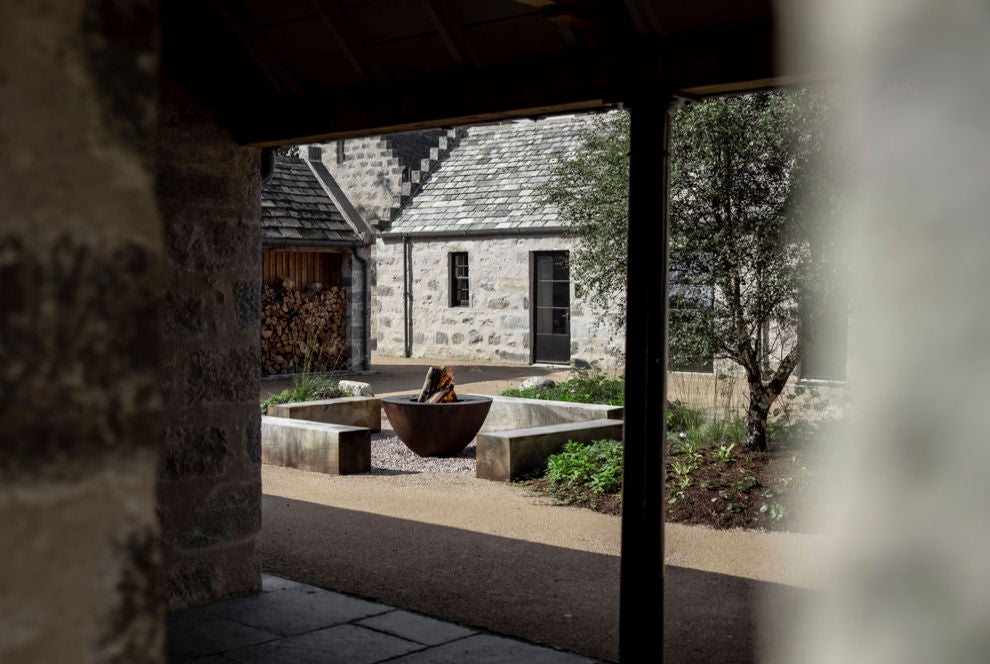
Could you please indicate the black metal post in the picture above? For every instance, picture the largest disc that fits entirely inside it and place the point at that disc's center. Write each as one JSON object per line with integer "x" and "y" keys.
{"x": 641, "y": 583}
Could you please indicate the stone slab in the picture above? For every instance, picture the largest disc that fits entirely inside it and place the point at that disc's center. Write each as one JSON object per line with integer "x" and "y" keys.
{"x": 334, "y": 449}
{"x": 195, "y": 633}
{"x": 415, "y": 627}
{"x": 518, "y": 413}
{"x": 344, "y": 643}
{"x": 352, "y": 411}
{"x": 510, "y": 454}
{"x": 297, "y": 610}
{"x": 491, "y": 649}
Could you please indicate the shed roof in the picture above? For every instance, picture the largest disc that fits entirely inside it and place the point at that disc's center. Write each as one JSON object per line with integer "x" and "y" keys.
{"x": 489, "y": 182}
{"x": 295, "y": 210}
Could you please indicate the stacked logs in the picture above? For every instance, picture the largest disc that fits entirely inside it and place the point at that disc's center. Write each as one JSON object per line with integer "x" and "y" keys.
{"x": 302, "y": 330}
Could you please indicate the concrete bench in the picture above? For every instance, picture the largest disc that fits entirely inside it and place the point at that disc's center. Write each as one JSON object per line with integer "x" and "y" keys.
{"x": 353, "y": 411}
{"x": 510, "y": 454}
{"x": 334, "y": 449}
{"x": 518, "y": 413}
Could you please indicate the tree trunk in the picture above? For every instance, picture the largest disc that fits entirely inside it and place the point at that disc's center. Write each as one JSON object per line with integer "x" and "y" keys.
{"x": 756, "y": 422}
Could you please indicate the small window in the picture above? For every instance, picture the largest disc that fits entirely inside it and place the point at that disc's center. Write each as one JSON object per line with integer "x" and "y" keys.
{"x": 460, "y": 293}
{"x": 341, "y": 155}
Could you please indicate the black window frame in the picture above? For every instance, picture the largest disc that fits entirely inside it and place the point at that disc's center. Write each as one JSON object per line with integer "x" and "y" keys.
{"x": 459, "y": 279}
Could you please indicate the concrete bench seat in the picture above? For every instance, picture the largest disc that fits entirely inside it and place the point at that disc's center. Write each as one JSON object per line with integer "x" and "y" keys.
{"x": 510, "y": 454}
{"x": 353, "y": 411}
{"x": 520, "y": 413}
{"x": 333, "y": 449}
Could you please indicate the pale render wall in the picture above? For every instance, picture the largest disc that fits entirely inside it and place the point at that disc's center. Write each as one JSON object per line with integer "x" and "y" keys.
{"x": 497, "y": 324}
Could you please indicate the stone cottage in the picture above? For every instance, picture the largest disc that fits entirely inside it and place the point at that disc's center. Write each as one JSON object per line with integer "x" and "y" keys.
{"x": 468, "y": 264}
{"x": 315, "y": 272}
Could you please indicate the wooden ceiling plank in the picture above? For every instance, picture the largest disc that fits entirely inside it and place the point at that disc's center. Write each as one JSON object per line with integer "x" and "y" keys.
{"x": 577, "y": 79}
{"x": 340, "y": 28}
{"x": 450, "y": 32}
{"x": 254, "y": 43}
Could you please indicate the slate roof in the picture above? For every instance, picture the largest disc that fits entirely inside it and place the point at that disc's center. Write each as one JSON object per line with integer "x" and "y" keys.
{"x": 488, "y": 183}
{"x": 296, "y": 210}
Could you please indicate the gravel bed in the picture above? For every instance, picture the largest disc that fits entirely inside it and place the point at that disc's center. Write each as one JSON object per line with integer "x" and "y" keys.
{"x": 390, "y": 456}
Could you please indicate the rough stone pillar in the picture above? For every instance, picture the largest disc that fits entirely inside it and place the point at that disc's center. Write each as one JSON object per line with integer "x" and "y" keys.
{"x": 80, "y": 250}
{"x": 209, "y": 488}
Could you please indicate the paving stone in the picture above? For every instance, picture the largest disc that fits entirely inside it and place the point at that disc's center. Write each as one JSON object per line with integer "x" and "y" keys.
{"x": 296, "y": 610}
{"x": 196, "y": 633}
{"x": 488, "y": 649}
{"x": 345, "y": 644}
{"x": 271, "y": 583}
{"x": 417, "y": 628}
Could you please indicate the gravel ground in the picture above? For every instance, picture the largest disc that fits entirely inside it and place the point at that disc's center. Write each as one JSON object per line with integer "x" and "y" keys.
{"x": 390, "y": 456}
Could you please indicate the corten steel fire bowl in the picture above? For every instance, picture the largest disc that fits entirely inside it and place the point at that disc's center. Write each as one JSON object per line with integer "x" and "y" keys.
{"x": 437, "y": 429}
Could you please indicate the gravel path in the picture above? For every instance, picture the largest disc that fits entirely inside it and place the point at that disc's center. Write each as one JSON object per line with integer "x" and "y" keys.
{"x": 390, "y": 456}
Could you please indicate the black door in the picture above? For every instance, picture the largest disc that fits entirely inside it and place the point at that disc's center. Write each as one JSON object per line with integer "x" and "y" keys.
{"x": 551, "y": 307}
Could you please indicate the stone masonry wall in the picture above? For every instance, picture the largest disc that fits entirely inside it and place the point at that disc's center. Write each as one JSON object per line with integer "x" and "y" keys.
{"x": 370, "y": 175}
{"x": 497, "y": 324}
{"x": 209, "y": 482}
{"x": 80, "y": 281}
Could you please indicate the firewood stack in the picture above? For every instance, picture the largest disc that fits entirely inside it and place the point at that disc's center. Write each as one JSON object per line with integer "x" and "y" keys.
{"x": 296, "y": 323}
{"x": 438, "y": 386}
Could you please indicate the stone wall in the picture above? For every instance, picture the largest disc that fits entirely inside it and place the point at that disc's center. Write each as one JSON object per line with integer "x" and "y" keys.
{"x": 370, "y": 175}
{"x": 80, "y": 264}
{"x": 497, "y": 324}
{"x": 209, "y": 488}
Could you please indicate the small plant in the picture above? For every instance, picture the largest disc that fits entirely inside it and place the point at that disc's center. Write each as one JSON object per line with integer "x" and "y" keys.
{"x": 724, "y": 452}
{"x": 597, "y": 466}
{"x": 305, "y": 387}
{"x": 689, "y": 445}
{"x": 681, "y": 417}
{"x": 746, "y": 484}
{"x": 776, "y": 511}
{"x": 681, "y": 468}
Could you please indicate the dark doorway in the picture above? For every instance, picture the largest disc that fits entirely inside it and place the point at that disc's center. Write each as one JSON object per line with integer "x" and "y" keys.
{"x": 551, "y": 307}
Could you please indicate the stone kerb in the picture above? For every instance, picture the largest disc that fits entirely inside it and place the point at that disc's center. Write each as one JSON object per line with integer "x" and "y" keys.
{"x": 333, "y": 449}
{"x": 352, "y": 411}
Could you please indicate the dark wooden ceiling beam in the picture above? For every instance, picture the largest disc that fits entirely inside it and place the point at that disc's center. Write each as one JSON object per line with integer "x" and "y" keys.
{"x": 257, "y": 48}
{"x": 450, "y": 32}
{"x": 523, "y": 89}
{"x": 580, "y": 80}
{"x": 342, "y": 30}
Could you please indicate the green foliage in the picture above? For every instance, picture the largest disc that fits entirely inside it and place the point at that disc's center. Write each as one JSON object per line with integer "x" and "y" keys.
{"x": 748, "y": 253}
{"x": 584, "y": 386}
{"x": 681, "y": 417}
{"x": 597, "y": 466}
{"x": 724, "y": 452}
{"x": 305, "y": 387}
{"x": 591, "y": 191}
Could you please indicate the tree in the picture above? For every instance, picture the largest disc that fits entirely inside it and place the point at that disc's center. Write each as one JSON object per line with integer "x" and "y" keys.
{"x": 748, "y": 265}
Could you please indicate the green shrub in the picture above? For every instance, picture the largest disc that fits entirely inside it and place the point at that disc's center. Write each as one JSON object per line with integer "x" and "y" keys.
{"x": 681, "y": 417}
{"x": 598, "y": 466}
{"x": 306, "y": 387}
{"x": 584, "y": 386}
